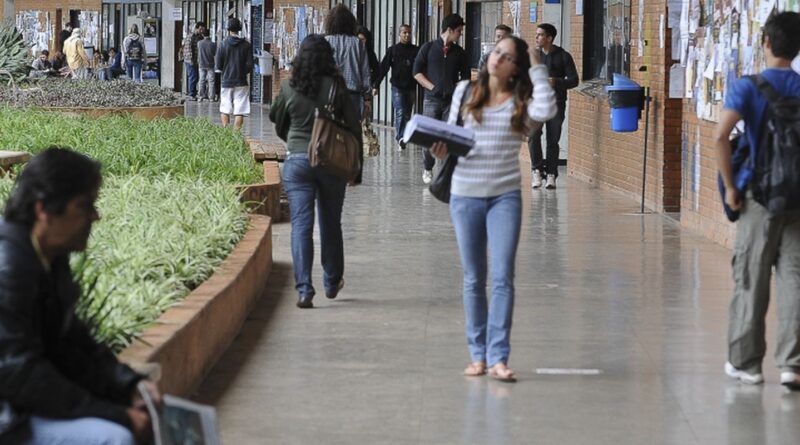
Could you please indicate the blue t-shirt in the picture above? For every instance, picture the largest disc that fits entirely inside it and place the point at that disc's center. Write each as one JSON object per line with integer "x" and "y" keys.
{"x": 744, "y": 98}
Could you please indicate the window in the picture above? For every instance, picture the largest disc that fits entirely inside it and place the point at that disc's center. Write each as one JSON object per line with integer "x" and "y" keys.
{"x": 606, "y": 38}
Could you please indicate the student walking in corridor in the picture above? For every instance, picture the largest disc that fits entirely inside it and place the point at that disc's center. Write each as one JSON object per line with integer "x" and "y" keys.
{"x": 314, "y": 74}
{"x": 511, "y": 96}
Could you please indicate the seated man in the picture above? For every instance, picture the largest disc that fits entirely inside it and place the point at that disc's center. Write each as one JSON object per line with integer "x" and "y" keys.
{"x": 42, "y": 66}
{"x": 57, "y": 384}
{"x": 115, "y": 63}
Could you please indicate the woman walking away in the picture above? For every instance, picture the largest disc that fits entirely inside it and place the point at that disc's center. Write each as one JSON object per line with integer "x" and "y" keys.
{"x": 348, "y": 52}
{"x": 314, "y": 73}
{"x": 485, "y": 201}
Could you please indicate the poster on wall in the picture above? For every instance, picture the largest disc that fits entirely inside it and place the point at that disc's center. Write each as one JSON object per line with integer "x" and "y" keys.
{"x": 533, "y": 13}
{"x": 720, "y": 41}
{"x": 90, "y": 24}
{"x": 150, "y": 28}
{"x": 35, "y": 27}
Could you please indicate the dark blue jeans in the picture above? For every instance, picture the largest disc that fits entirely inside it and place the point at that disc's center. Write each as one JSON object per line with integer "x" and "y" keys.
{"x": 304, "y": 185}
{"x": 402, "y": 102}
{"x": 133, "y": 70}
{"x": 437, "y": 109}
{"x": 553, "y": 127}
{"x": 192, "y": 76}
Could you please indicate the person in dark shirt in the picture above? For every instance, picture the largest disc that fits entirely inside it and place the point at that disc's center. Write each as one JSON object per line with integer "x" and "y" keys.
{"x": 563, "y": 76}
{"x": 115, "y": 63}
{"x": 400, "y": 59}
{"x": 57, "y": 384}
{"x": 439, "y": 65}
{"x": 234, "y": 60}
{"x": 63, "y": 36}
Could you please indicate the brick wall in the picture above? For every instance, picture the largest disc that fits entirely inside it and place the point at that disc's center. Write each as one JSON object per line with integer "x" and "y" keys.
{"x": 701, "y": 207}
{"x": 614, "y": 160}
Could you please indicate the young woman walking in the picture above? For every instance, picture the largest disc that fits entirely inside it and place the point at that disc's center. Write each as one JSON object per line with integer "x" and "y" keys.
{"x": 510, "y": 97}
{"x": 314, "y": 73}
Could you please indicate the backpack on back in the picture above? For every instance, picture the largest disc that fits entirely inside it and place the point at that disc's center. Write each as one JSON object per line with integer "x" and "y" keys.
{"x": 135, "y": 50}
{"x": 776, "y": 183}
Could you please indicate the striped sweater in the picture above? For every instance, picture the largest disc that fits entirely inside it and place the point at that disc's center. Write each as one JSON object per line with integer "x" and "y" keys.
{"x": 492, "y": 166}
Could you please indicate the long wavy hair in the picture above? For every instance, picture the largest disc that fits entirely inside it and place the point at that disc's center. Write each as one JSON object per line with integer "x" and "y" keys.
{"x": 520, "y": 84}
{"x": 313, "y": 61}
{"x": 340, "y": 21}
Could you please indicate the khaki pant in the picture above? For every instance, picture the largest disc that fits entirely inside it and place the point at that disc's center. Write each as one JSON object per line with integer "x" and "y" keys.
{"x": 764, "y": 241}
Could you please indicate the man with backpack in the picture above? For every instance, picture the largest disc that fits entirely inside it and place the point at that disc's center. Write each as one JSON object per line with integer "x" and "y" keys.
{"x": 133, "y": 54}
{"x": 768, "y": 229}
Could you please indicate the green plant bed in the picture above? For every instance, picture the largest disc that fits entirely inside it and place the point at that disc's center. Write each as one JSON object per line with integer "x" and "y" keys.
{"x": 158, "y": 238}
{"x": 181, "y": 147}
{"x": 70, "y": 93}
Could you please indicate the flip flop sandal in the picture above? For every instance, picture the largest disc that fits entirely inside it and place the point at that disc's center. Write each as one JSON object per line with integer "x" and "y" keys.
{"x": 475, "y": 369}
{"x": 504, "y": 375}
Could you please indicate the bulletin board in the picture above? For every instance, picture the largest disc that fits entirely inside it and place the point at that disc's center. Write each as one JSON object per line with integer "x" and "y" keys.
{"x": 37, "y": 31}
{"x": 719, "y": 41}
{"x": 293, "y": 24}
{"x": 90, "y": 25}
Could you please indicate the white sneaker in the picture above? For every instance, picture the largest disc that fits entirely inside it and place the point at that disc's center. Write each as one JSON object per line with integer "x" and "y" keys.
{"x": 536, "y": 182}
{"x": 551, "y": 182}
{"x": 744, "y": 377}
{"x": 791, "y": 380}
{"x": 427, "y": 176}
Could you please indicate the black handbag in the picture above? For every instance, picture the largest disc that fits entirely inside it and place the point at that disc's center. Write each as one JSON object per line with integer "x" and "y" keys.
{"x": 440, "y": 187}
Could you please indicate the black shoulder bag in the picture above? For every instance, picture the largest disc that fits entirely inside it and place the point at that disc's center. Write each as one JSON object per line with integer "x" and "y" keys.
{"x": 440, "y": 187}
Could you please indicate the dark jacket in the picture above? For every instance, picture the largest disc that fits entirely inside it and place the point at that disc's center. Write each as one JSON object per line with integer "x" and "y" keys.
{"x": 400, "y": 59}
{"x": 443, "y": 72}
{"x": 208, "y": 51}
{"x": 50, "y": 365}
{"x": 235, "y": 60}
{"x": 561, "y": 67}
{"x": 293, "y": 115}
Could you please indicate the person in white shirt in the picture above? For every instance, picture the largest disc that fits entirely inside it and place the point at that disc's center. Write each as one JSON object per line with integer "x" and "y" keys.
{"x": 511, "y": 96}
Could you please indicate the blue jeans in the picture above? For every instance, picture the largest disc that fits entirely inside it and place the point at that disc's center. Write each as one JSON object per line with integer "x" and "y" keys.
{"x": 133, "y": 70}
{"x": 82, "y": 431}
{"x": 437, "y": 109}
{"x": 494, "y": 223}
{"x": 304, "y": 185}
{"x": 402, "y": 102}
{"x": 192, "y": 75}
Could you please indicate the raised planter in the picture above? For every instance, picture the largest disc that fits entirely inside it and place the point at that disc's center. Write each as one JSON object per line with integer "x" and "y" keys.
{"x": 165, "y": 112}
{"x": 189, "y": 338}
{"x": 265, "y": 199}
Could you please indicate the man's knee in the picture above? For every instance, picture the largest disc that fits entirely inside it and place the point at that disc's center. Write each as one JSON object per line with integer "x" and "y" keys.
{"x": 89, "y": 431}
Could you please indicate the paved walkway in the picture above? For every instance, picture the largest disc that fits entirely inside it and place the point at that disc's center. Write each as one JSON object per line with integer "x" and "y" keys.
{"x": 635, "y": 298}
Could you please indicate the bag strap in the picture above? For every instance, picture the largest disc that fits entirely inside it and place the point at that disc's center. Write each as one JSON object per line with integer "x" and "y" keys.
{"x": 331, "y": 96}
{"x": 460, "y": 118}
{"x": 766, "y": 88}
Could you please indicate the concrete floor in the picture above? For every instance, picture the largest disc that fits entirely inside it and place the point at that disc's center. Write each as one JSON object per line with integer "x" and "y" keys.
{"x": 632, "y": 309}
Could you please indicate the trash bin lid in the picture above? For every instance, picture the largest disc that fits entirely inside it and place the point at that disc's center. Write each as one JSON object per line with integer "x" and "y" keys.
{"x": 633, "y": 87}
{"x": 623, "y": 81}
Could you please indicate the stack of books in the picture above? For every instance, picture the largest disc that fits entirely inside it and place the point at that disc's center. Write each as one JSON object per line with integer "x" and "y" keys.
{"x": 425, "y": 131}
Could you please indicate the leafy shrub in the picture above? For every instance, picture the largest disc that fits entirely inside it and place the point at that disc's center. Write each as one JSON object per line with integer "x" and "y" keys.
{"x": 157, "y": 240}
{"x": 87, "y": 93}
{"x": 14, "y": 57}
{"x": 182, "y": 147}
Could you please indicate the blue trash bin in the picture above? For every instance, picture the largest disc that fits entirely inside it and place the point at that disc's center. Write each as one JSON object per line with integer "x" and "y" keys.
{"x": 625, "y": 99}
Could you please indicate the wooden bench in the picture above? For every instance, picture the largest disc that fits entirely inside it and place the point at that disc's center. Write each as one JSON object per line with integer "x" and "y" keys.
{"x": 267, "y": 151}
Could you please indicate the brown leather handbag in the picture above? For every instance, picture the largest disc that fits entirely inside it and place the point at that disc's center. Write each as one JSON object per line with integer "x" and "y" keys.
{"x": 333, "y": 147}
